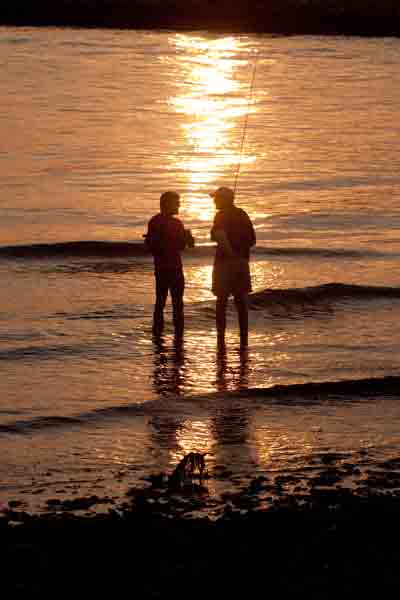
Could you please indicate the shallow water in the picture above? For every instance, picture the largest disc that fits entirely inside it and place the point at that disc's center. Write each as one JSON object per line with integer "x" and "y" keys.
{"x": 95, "y": 125}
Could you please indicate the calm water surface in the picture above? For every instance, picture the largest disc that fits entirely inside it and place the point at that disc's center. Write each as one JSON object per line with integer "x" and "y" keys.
{"x": 94, "y": 126}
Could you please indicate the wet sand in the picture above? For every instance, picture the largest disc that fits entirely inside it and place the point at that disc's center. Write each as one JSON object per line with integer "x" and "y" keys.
{"x": 335, "y": 532}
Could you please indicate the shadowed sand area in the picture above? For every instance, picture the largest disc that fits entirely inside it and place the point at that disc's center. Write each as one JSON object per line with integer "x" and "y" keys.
{"x": 333, "y": 533}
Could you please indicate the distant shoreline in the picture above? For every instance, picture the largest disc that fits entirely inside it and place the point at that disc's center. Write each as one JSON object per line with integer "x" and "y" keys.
{"x": 286, "y": 17}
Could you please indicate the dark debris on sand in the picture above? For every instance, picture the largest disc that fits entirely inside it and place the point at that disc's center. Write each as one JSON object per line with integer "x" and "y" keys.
{"x": 324, "y": 540}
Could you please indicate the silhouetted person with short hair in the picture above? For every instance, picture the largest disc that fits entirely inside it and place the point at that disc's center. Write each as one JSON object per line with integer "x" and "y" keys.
{"x": 234, "y": 234}
{"x": 166, "y": 238}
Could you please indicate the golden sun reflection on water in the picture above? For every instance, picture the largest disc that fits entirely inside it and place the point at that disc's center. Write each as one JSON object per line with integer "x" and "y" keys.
{"x": 199, "y": 278}
{"x": 265, "y": 275}
{"x": 213, "y": 99}
{"x": 193, "y": 436}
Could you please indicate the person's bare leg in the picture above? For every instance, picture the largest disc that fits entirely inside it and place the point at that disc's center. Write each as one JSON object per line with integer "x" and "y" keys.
{"x": 241, "y": 303}
{"x": 178, "y": 315}
{"x": 220, "y": 318}
{"x": 161, "y": 299}
{"x": 158, "y": 316}
{"x": 177, "y": 290}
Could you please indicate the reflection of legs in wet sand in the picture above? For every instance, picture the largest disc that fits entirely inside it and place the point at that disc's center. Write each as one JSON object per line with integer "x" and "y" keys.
{"x": 233, "y": 377}
{"x": 223, "y": 432}
{"x": 221, "y": 365}
{"x": 168, "y": 427}
{"x": 230, "y": 418}
{"x": 168, "y": 374}
{"x": 168, "y": 379}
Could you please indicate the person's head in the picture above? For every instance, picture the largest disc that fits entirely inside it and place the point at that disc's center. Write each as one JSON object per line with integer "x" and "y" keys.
{"x": 169, "y": 203}
{"x": 223, "y": 198}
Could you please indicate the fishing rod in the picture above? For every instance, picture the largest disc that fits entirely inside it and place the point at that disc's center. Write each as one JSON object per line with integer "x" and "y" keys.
{"x": 250, "y": 98}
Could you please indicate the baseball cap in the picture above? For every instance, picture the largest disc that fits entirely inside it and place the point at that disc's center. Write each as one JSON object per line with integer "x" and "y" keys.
{"x": 224, "y": 193}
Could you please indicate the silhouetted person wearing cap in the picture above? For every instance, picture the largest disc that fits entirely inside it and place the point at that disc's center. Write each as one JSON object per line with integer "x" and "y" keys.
{"x": 234, "y": 234}
{"x": 166, "y": 238}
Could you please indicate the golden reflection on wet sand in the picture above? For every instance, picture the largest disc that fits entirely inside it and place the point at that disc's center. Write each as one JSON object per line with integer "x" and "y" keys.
{"x": 266, "y": 275}
{"x": 228, "y": 432}
{"x": 169, "y": 367}
{"x": 195, "y": 436}
{"x": 231, "y": 430}
{"x": 198, "y": 283}
{"x": 224, "y": 429}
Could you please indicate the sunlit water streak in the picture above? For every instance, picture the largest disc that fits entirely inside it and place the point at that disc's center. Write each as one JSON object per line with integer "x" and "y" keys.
{"x": 94, "y": 125}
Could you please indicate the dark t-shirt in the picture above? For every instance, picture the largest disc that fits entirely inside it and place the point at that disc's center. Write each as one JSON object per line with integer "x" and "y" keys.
{"x": 238, "y": 229}
{"x": 166, "y": 239}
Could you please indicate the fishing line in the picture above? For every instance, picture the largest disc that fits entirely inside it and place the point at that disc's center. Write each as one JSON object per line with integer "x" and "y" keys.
{"x": 250, "y": 98}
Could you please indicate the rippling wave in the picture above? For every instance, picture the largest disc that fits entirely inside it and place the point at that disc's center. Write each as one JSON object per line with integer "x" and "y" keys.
{"x": 321, "y": 293}
{"x": 113, "y": 249}
{"x": 309, "y": 393}
{"x": 74, "y": 248}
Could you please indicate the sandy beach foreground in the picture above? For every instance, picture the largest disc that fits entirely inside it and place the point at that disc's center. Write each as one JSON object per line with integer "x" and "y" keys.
{"x": 322, "y": 538}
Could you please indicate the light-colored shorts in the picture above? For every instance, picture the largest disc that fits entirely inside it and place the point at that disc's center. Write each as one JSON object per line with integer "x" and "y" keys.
{"x": 231, "y": 276}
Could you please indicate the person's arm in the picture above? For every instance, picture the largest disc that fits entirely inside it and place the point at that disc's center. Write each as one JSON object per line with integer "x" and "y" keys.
{"x": 153, "y": 238}
{"x": 252, "y": 234}
{"x": 246, "y": 233}
{"x": 218, "y": 234}
{"x": 189, "y": 239}
{"x": 215, "y": 226}
{"x": 221, "y": 238}
{"x": 179, "y": 236}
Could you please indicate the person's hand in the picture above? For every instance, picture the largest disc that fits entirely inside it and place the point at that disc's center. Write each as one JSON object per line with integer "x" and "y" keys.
{"x": 189, "y": 239}
{"x": 222, "y": 240}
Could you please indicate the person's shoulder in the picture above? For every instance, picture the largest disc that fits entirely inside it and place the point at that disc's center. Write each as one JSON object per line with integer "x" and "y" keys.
{"x": 154, "y": 219}
{"x": 177, "y": 222}
{"x": 241, "y": 211}
{"x": 241, "y": 214}
{"x": 222, "y": 219}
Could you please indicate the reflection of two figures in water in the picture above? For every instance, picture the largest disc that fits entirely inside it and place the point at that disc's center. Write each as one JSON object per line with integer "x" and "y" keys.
{"x": 232, "y": 376}
{"x": 230, "y": 418}
{"x": 171, "y": 368}
{"x": 227, "y": 430}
